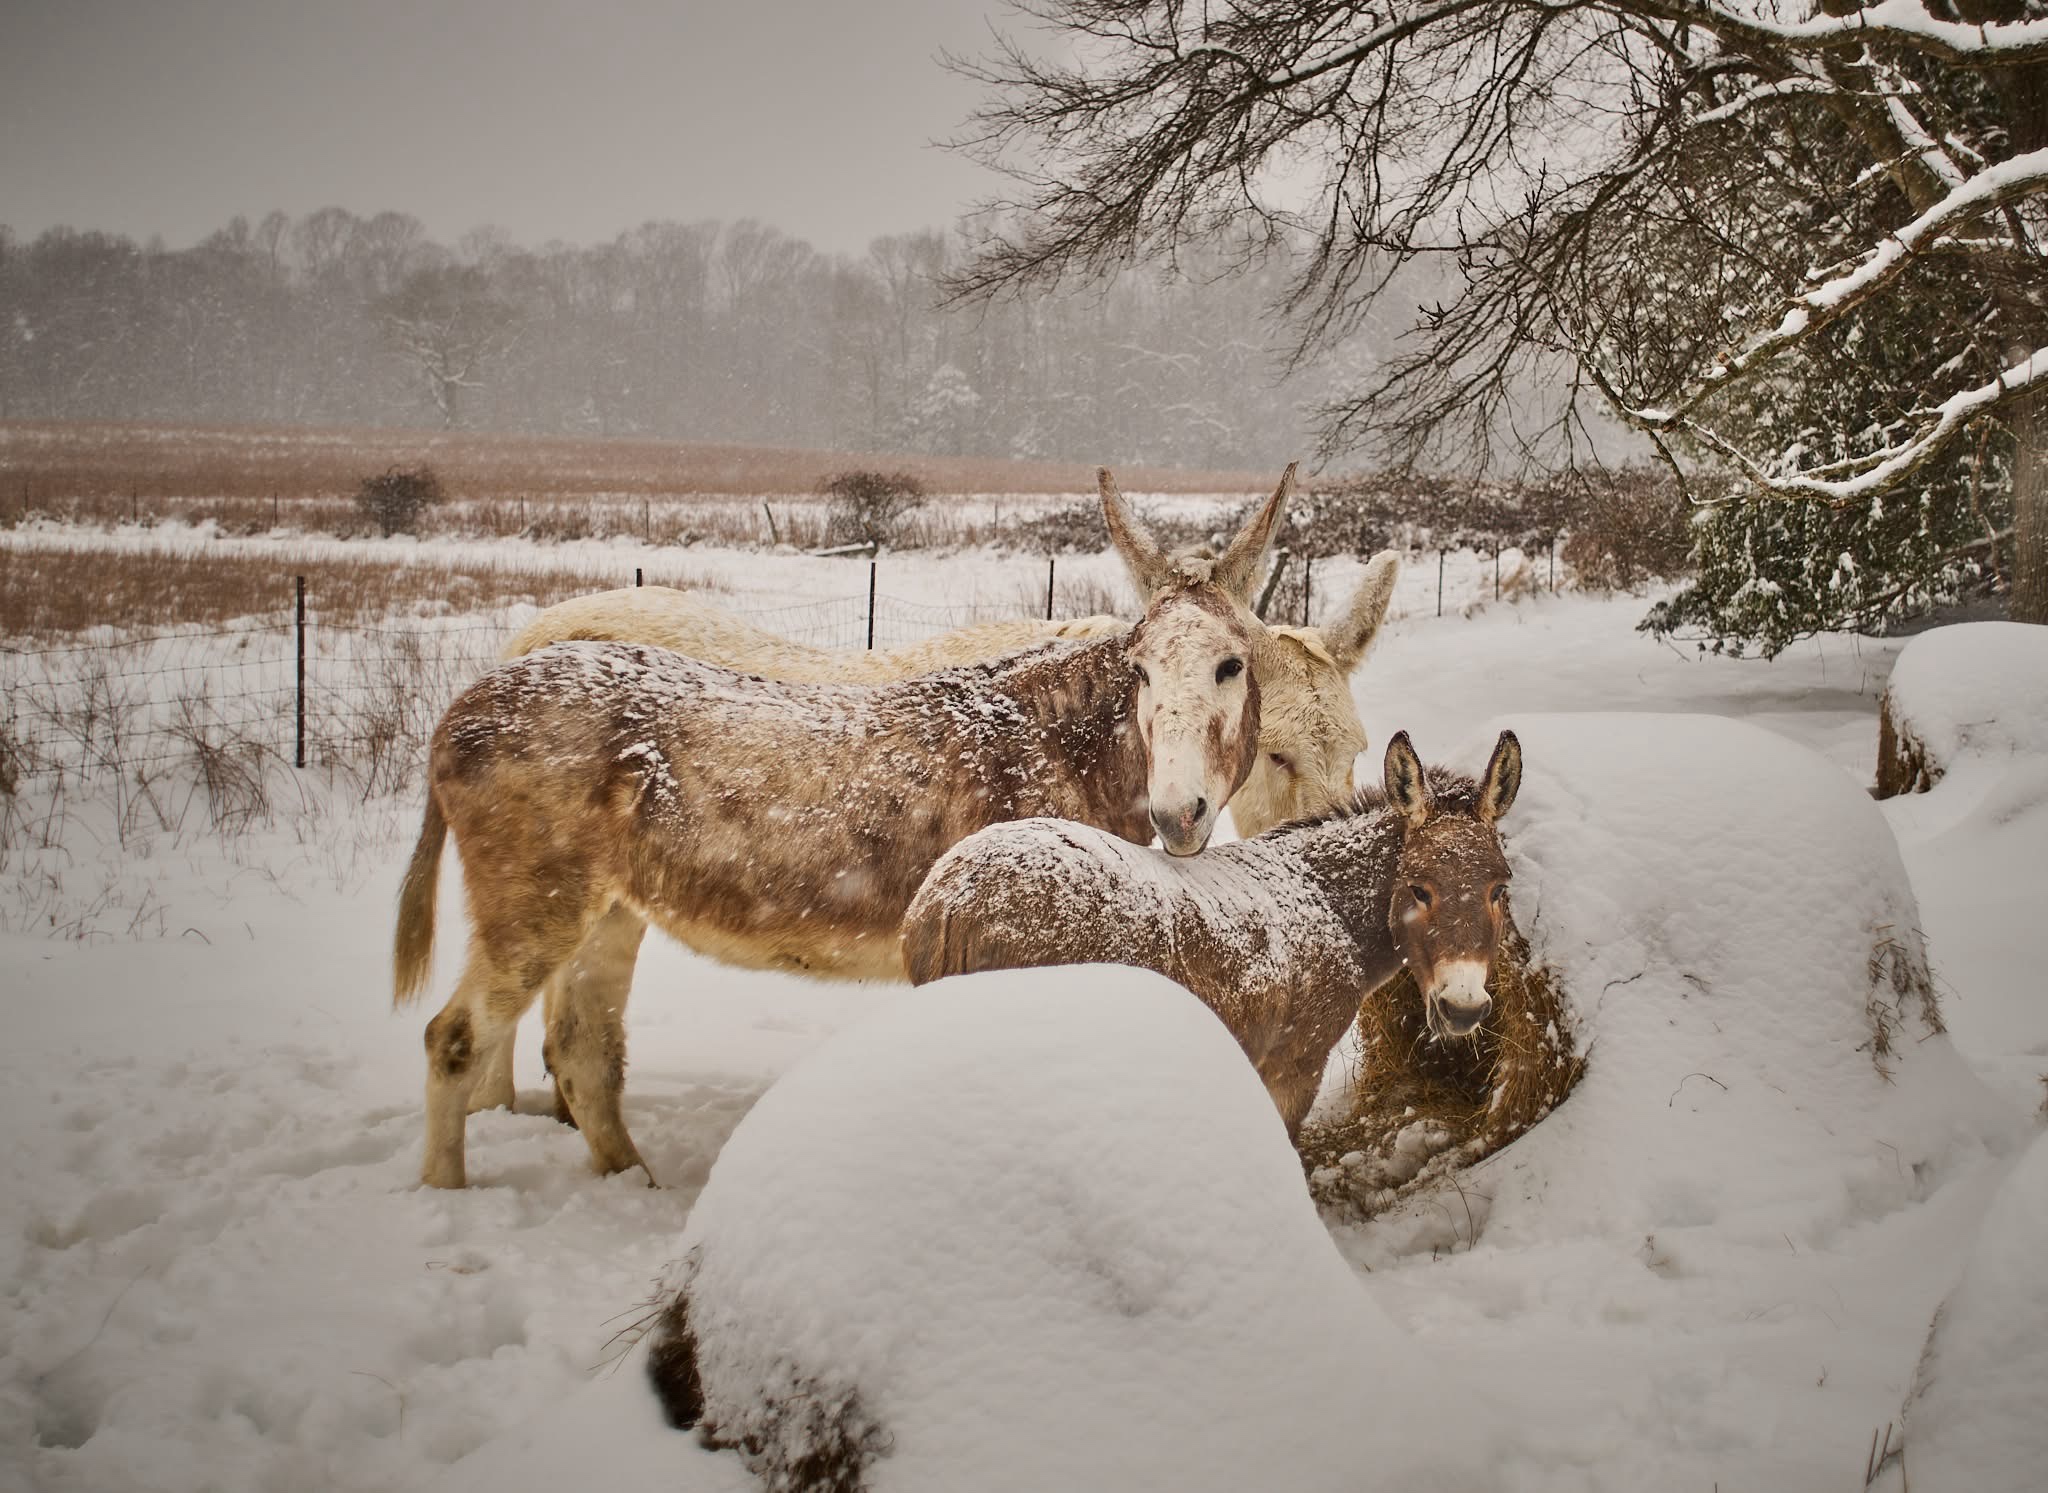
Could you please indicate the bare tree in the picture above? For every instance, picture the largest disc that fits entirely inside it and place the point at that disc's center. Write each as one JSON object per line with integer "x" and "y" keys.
{"x": 447, "y": 324}
{"x": 1533, "y": 147}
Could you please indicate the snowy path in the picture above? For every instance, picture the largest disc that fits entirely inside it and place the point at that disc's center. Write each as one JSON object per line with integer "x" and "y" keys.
{"x": 220, "y": 1273}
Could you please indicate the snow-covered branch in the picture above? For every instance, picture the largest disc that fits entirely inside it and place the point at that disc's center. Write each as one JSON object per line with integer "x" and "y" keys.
{"x": 1806, "y": 313}
{"x": 1879, "y": 470}
{"x": 1904, "y": 23}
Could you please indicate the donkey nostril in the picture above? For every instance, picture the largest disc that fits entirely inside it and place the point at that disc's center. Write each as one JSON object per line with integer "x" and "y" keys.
{"x": 1201, "y": 807}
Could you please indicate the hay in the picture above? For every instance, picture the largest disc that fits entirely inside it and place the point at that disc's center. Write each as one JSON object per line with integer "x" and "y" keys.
{"x": 1421, "y": 1108}
{"x": 1904, "y": 765}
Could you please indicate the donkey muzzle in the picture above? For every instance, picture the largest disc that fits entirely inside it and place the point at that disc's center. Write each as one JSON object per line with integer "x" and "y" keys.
{"x": 1184, "y": 830}
{"x": 1460, "y": 1001}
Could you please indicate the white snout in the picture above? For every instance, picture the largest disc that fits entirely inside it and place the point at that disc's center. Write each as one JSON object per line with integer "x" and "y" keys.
{"x": 1460, "y": 1002}
{"x": 1184, "y": 798}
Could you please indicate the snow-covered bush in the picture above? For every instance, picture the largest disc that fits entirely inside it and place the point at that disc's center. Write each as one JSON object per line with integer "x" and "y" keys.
{"x": 1029, "y": 1229}
{"x": 1729, "y": 918}
{"x": 1977, "y": 690}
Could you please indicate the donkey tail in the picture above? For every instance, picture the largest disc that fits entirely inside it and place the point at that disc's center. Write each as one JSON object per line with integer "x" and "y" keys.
{"x": 412, "y": 951}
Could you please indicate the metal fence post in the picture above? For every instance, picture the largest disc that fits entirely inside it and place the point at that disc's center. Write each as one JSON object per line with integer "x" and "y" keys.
{"x": 1308, "y": 576}
{"x": 1496, "y": 567}
{"x": 299, "y": 751}
{"x": 1440, "y": 580}
{"x": 637, "y": 577}
{"x": 871, "y": 606}
{"x": 1553, "y": 565}
{"x": 1048, "y": 587}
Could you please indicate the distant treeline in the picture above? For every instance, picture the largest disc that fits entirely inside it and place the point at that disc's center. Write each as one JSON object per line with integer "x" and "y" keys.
{"x": 707, "y": 331}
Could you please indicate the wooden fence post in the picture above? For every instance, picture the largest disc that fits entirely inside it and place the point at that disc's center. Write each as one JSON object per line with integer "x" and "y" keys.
{"x": 1048, "y": 587}
{"x": 871, "y": 606}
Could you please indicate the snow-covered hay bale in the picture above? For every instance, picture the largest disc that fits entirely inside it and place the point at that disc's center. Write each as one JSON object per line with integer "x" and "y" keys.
{"x": 1027, "y": 1229}
{"x": 1978, "y": 689}
{"x": 1977, "y": 1418}
{"x": 1727, "y": 915}
{"x": 1418, "y": 1108}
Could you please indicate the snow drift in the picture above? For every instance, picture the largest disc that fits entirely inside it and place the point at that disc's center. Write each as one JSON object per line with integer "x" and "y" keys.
{"x": 1975, "y": 1422}
{"x": 1014, "y": 1233}
{"x": 1730, "y": 918}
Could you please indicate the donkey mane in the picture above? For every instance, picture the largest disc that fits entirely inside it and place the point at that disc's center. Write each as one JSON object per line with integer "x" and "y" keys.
{"x": 1454, "y": 792}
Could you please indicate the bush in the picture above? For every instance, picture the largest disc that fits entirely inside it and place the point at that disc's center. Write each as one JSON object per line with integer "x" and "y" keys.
{"x": 868, "y": 507}
{"x": 395, "y": 500}
{"x": 1628, "y": 528}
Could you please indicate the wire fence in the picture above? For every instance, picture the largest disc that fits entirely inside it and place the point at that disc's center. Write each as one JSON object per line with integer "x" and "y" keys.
{"x": 297, "y": 690}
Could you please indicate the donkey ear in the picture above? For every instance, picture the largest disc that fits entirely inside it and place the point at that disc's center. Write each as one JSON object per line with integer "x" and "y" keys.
{"x": 1141, "y": 553}
{"x": 1407, "y": 790}
{"x": 1350, "y": 638}
{"x": 1238, "y": 571}
{"x": 1503, "y": 778}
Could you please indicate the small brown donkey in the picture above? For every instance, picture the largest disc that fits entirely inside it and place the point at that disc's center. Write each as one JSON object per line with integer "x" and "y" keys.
{"x": 593, "y": 788}
{"x": 1282, "y": 936}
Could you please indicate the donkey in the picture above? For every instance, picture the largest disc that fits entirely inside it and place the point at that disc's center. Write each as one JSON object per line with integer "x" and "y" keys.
{"x": 1309, "y": 733}
{"x": 1309, "y": 730}
{"x": 594, "y": 787}
{"x": 1282, "y": 936}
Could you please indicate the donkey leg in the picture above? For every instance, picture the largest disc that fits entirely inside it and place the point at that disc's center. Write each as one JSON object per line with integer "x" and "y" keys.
{"x": 481, "y": 1015}
{"x": 553, "y": 996}
{"x": 1294, "y": 1095}
{"x": 586, "y": 1041}
{"x": 494, "y": 1089}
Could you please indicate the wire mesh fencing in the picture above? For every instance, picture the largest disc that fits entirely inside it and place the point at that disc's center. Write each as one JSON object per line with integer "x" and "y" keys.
{"x": 300, "y": 692}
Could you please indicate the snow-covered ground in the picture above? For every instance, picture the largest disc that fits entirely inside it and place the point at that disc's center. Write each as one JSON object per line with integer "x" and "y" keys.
{"x": 220, "y": 1272}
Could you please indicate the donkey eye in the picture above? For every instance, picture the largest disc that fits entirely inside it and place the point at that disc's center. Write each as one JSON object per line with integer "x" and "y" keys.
{"x": 1139, "y": 670}
{"x": 1280, "y": 761}
{"x": 1420, "y": 894}
{"x": 1499, "y": 894}
{"x": 1230, "y": 668}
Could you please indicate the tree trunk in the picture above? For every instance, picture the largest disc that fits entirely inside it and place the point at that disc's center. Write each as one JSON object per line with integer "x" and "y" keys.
{"x": 2030, "y": 510}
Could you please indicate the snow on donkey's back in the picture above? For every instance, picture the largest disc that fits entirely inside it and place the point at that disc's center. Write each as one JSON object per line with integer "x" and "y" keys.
{"x": 1028, "y": 1229}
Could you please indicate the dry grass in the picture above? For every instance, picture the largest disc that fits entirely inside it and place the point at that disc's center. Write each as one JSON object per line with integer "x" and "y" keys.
{"x": 1420, "y": 1108}
{"x": 50, "y": 465}
{"x": 47, "y": 595}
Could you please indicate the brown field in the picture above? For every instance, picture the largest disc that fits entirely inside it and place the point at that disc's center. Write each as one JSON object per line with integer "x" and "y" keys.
{"x": 48, "y": 595}
{"x": 101, "y": 470}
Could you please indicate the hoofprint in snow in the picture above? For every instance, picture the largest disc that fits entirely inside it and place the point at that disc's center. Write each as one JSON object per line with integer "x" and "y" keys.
{"x": 220, "y": 1275}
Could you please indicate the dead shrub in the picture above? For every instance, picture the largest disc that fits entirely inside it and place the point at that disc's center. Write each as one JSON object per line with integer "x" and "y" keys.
{"x": 1628, "y": 528}
{"x": 395, "y": 500}
{"x": 11, "y": 760}
{"x": 1421, "y": 1108}
{"x": 870, "y": 507}
{"x": 229, "y": 763}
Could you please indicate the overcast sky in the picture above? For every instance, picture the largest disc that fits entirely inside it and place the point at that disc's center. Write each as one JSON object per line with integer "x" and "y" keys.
{"x": 550, "y": 120}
